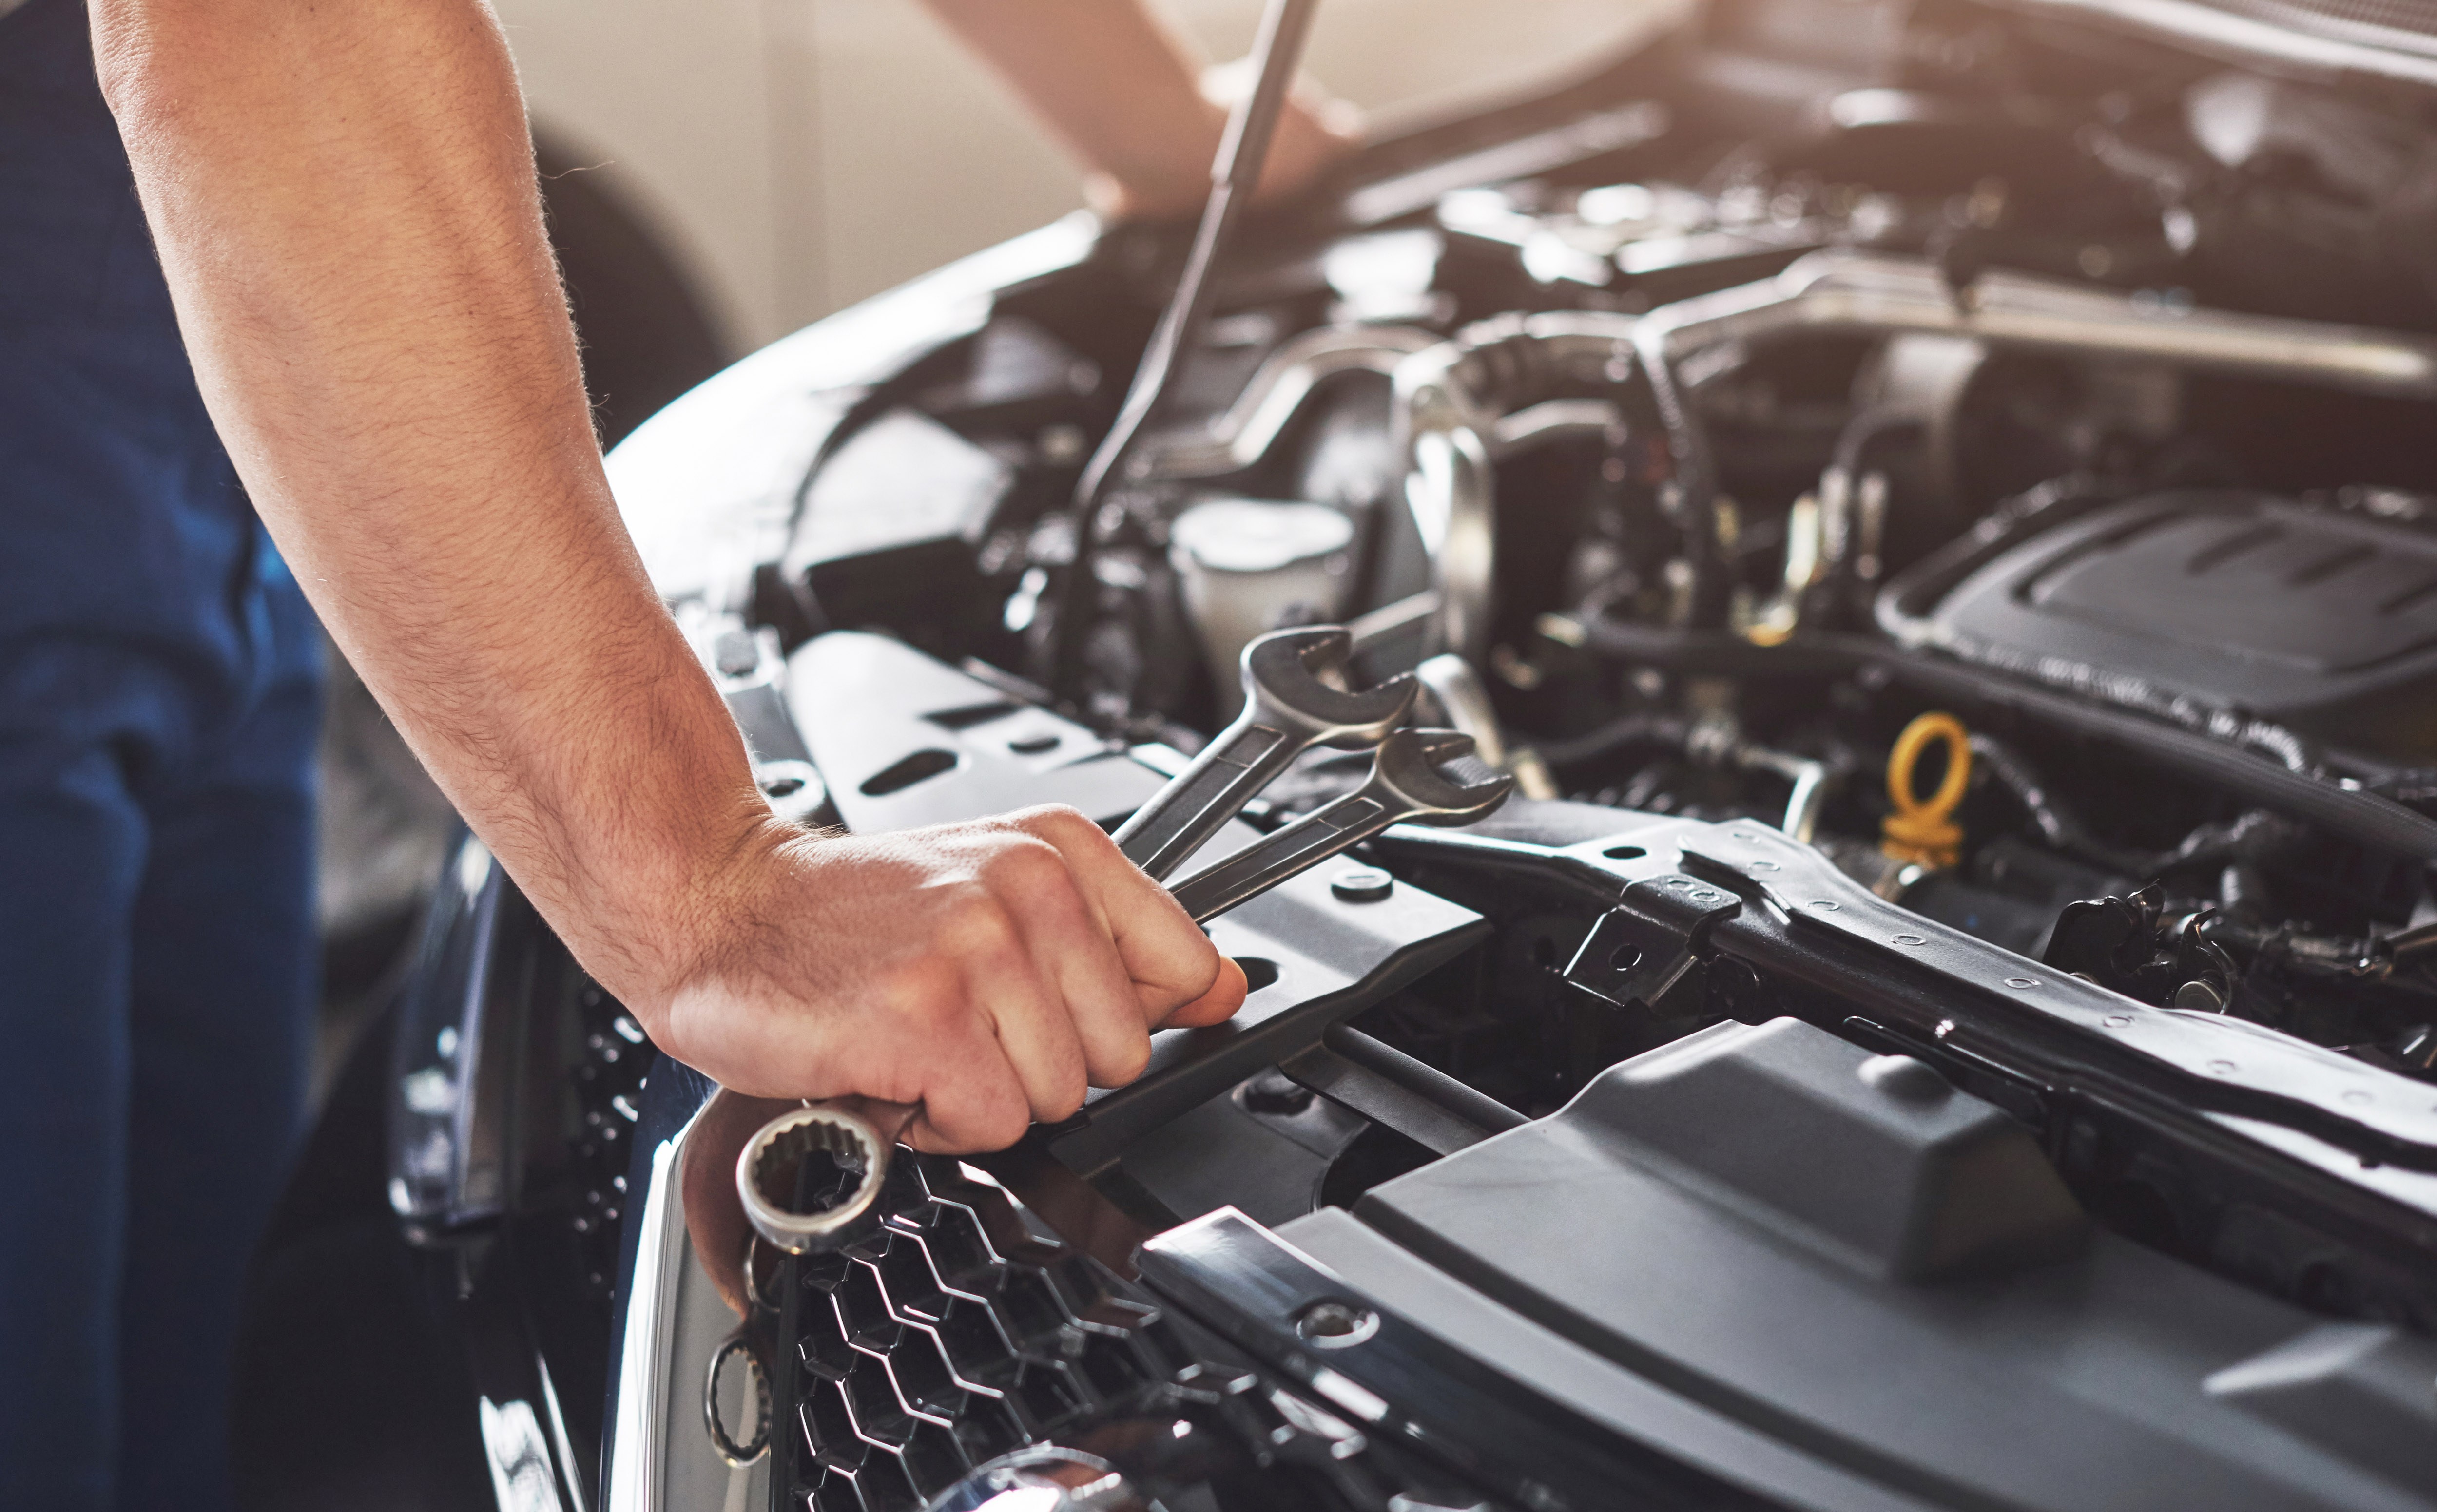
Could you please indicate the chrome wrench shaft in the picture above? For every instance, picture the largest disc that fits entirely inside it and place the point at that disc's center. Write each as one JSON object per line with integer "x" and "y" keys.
{"x": 1405, "y": 786}
{"x": 1293, "y": 700}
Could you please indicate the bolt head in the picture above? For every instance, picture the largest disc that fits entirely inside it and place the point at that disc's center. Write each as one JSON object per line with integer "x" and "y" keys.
{"x": 1362, "y": 884}
{"x": 1273, "y": 1091}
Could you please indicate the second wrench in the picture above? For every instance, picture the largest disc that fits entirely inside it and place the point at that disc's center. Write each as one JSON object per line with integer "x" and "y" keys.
{"x": 1405, "y": 787}
{"x": 1294, "y": 699}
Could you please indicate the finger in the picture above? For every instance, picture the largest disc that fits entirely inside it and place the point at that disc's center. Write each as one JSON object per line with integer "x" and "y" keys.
{"x": 972, "y": 1100}
{"x": 1072, "y": 951}
{"x": 1034, "y": 1032}
{"x": 1218, "y": 1005}
{"x": 714, "y": 1213}
{"x": 1038, "y": 1039}
{"x": 1171, "y": 962}
{"x": 938, "y": 1050}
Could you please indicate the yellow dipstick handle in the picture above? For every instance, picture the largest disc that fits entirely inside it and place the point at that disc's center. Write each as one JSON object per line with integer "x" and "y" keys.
{"x": 1925, "y": 832}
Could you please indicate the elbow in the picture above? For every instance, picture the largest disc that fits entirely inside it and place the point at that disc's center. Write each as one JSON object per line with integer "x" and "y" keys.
{"x": 125, "y": 54}
{"x": 148, "y": 52}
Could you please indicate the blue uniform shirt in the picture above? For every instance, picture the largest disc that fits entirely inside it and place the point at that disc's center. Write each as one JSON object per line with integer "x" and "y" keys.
{"x": 120, "y": 516}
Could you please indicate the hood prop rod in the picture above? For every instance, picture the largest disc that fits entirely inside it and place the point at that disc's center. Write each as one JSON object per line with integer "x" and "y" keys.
{"x": 1242, "y": 150}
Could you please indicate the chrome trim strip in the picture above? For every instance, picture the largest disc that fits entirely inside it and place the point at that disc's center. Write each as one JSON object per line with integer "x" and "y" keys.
{"x": 635, "y": 1448}
{"x": 660, "y": 1455}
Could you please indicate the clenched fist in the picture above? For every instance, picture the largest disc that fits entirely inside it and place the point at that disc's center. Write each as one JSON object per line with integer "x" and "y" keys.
{"x": 990, "y": 971}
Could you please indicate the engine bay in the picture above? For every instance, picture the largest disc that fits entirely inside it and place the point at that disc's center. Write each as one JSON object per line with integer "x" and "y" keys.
{"x": 2020, "y": 496}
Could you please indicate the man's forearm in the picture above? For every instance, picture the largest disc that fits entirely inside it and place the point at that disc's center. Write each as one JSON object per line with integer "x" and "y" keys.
{"x": 343, "y": 198}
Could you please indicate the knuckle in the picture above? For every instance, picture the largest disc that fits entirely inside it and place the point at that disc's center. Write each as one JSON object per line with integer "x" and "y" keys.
{"x": 924, "y": 992}
{"x": 1065, "y": 1100}
{"x": 981, "y": 924}
{"x": 1003, "y": 1125}
{"x": 1074, "y": 826}
{"x": 1029, "y": 864}
{"x": 1054, "y": 818}
{"x": 1129, "y": 1059}
{"x": 1070, "y": 829}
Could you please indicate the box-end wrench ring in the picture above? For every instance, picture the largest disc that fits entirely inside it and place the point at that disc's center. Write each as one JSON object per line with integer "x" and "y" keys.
{"x": 808, "y": 1179}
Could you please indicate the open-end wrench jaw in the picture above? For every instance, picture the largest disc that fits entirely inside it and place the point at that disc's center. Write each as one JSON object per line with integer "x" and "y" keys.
{"x": 1298, "y": 680}
{"x": 1295, "y": 697}
{"x": 1406, "y": 787}
{"x": 1410, "y": 768}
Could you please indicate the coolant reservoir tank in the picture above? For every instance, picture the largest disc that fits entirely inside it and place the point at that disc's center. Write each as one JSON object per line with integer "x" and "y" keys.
{"x": 1248, "y": 565}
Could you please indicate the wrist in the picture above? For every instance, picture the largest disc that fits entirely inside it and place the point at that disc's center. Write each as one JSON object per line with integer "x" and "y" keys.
{"x": 634, "y": 824}
{"x": 685, "y": 920}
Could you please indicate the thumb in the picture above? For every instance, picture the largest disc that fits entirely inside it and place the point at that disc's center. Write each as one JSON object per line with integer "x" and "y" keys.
{"x": 1217, "y": 1005}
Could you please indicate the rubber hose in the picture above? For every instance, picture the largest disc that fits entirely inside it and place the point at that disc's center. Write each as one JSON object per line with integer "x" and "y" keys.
{"x": 2358, "y": 815}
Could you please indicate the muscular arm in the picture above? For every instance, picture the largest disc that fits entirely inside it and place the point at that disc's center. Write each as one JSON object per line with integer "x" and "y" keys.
{"x": 1120, "y": 88}
{"x": 343, "y": 198}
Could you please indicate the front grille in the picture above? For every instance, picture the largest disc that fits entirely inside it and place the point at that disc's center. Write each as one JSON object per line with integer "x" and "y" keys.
{"x": 948, "y": 1338}
{"x": 955, "y": 1333}
{"x": 612, "y": 1058}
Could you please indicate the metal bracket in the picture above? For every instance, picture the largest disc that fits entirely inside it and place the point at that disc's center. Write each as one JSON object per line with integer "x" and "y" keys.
{"x": 1640, "y": 952}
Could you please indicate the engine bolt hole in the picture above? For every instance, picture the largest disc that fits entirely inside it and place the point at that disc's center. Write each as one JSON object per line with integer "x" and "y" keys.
{"x": 1329, "y": 1324}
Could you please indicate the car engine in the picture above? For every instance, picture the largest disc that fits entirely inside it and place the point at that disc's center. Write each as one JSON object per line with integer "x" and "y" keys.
{"x": 1931, "y": 505}
{"x": 1690, "y": 492}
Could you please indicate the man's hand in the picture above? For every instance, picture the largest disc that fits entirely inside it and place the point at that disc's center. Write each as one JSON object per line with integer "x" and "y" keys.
{"x": 990, "y": 971}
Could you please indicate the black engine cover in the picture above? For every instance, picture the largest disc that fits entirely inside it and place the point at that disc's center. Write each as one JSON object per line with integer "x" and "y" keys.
{"x": 2322, "y": 620}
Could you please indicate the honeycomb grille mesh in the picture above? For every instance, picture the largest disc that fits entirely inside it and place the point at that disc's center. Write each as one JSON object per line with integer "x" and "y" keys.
{"x": 947, "y": 1338}
{"x": 955, "y": 1334}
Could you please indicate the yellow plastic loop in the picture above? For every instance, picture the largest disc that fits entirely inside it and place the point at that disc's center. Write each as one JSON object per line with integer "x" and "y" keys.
{"x": 1921, "y": 831}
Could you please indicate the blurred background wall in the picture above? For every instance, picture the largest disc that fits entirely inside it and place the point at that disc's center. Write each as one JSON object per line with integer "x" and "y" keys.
{"x": 797, "y": 155}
